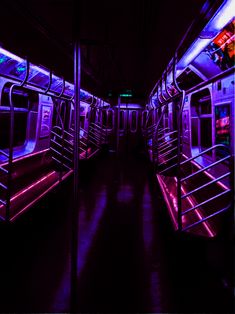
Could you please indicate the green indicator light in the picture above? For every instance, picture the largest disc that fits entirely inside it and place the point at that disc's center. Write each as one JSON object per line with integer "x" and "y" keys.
{"x": 125, "y": 95}
{"x": 21, "y": 69}
{"x": 2, "y": 59}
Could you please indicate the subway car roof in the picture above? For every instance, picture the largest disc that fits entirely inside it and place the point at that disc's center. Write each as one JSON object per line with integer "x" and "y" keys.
{"x": 126, "y": 44}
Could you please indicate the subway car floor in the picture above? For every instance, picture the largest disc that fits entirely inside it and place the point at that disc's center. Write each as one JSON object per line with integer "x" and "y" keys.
{"x": 129, "y": 258}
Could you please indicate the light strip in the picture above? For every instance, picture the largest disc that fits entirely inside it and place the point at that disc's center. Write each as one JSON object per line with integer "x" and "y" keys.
{"x": 10, "y": 55}
{"x": 223, "y": 16}
{"x": 38, "y": 69}
{"x": 198, "y": 46}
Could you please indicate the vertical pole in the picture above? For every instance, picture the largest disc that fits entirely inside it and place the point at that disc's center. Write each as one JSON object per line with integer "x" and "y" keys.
{"x": 10, "y": 159}
{"x": 75, "y": 210}
{"x": 118, "y": 122}
{"x": 179, "y": 153}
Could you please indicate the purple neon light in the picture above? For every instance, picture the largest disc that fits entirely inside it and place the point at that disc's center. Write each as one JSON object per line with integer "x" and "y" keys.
{"x": 15, "y": 67}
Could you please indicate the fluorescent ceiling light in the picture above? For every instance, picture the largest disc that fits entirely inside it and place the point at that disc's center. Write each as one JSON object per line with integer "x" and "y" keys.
{"x": 224, "y": 15}
{"x": 197, "y": 47}
{"x": 38, "y": 69}
{"x": 10, "y": 55}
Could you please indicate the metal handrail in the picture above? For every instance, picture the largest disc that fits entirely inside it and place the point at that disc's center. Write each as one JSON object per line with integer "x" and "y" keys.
{"x": 66, "y": 149}
{"x": 169, "y": 159}
{"x": 66, "y": 132}
{"x": 166, "y": 144}
{"x": 205, "y": 185}
{"x": 96, "y": 130}
{"x": 168, "y": 168}
{"x": 3, "y": 186}
{"x": 3, "y": 170}
{"x": 167, "y": 153}
{"x": 206, "y": 218}
{"x": 61, "y": 155}
{"x": 205, "y": 151}
{"x": 95, "y": 133}
{"x": 58, "y": 161}
{"x": 205, "y": 202}
{"x": 167, "y": 134}
{"x": 83, "y": 149}
{"x": 205, "y": 168}
{"x": 99, "y": 136}
{"x": 61, "y": 137}
{"x": 83, "y": 130}
{"x": 163, "y": 130}
{"x": 4, "y": 153}
{"x": 3, "y": 202}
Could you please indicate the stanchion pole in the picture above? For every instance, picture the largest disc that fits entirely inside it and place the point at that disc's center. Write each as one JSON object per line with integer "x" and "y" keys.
{"x": 75, "y": 209}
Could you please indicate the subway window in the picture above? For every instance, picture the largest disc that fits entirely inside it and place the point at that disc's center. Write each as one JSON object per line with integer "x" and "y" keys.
{"x": 110, "y": 117}
{"x": 201, "y": 116}
{"x": 24, "y": 102}
{"x": 144, "y": 118}
{"x": 222, "y": 127}
{"x": 121, "y": 120}
{"x": 104, "y": 117}
{"x": 134, "y": 121}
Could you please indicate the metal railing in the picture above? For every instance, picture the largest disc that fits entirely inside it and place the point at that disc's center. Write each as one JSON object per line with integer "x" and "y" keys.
{"x": 3, "y": 187}
{"x": 203, "y": 187}
{"x": 62, "y": 147}
{"x": 62, "y": 143}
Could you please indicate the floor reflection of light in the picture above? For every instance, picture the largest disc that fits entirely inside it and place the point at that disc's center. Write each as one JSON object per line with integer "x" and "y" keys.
{"x": 147, "y": 220}
{"x": 125, "y": 194}
{"x": 87, "y": 232}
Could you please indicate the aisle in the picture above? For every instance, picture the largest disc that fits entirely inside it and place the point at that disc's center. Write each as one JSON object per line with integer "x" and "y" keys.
{"x": 119, "y": 269}
{"x": 129, "y": 258}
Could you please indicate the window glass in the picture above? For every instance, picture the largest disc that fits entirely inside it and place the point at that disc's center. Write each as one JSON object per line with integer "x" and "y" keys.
{"x": 110, "y": 119}
{"x": 104, "y": 118}
{"x": 222, "y": 127}
{"x": 133, "y": 121}
{"x": 206, "y": 133}
{"x": 121, "y": 120}
{"x": 23, "y": 101}
{"x": 144, "y": 117}
{"x": 201, "y": 103}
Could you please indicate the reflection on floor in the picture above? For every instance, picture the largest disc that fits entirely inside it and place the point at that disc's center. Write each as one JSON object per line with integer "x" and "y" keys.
{"x": 129, "y": 259}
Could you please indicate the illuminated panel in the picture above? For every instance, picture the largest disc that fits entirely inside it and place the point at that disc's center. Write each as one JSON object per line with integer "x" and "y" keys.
{"x": 38, "y": 76}
{"x": 219, "y": 54}
{"x": 15, "y": 67}
{"x": 56, "y": 84}
{"x": 221, "y": 49}
{"x": 218, "y": 22}
{"x": 12, "y": 65}
{"x": 69, "y": 89}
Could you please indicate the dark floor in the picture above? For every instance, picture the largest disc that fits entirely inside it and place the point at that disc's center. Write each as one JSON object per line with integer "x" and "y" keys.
{"x": 129, "y": 259}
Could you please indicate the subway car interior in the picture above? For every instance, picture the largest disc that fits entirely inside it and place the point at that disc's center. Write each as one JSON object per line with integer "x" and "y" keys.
{"x": 117, "y": 144}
